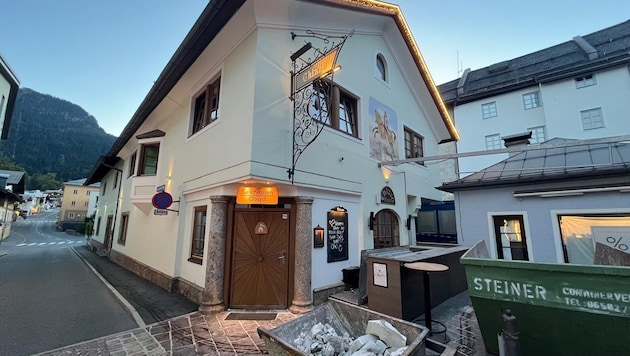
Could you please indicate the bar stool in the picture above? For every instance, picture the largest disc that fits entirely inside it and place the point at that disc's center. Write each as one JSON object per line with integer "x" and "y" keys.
{"x": 425, "y": 268}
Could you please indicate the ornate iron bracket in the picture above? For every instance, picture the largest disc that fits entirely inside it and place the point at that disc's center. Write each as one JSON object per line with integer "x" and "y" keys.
{"x": 310, "y": 94}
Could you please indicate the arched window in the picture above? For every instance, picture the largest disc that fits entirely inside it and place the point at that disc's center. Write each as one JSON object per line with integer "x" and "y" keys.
{"x": 386, "y": 231}
{"x": 381, "y": 67}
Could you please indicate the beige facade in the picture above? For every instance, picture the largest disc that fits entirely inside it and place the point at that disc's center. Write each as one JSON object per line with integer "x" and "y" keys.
{"x": 75, "y": 203}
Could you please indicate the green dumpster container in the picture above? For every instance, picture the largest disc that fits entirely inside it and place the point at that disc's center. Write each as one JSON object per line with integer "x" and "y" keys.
{"x": 561, "y": 309}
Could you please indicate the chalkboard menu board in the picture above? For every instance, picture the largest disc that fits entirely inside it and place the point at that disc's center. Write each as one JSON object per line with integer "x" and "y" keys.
{"x": 337, "y": 232}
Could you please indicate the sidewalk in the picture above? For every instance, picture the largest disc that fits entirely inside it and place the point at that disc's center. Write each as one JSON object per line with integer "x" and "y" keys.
{"x": 169, "y": 323}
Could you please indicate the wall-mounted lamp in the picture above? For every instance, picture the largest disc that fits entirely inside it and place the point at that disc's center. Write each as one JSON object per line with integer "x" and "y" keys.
{"x": 301, "y": 51}
{"x": 339, "y": 208}
{"x": 318, "y": 236}
{"x": 386, "y": 173}
{"x": 371, "y": 221}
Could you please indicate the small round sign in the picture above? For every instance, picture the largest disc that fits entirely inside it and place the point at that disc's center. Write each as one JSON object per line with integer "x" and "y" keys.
{"x": 162, "y": 200}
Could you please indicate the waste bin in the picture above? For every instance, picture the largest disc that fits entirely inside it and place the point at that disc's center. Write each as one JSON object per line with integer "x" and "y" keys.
{"x": 351, "y": 276}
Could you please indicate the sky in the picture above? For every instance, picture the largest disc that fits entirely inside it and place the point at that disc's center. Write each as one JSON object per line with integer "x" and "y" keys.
{"x": 104, "y": 55}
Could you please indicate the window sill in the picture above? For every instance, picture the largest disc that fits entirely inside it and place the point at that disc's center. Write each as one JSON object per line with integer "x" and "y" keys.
{"x": 196, "y": 260}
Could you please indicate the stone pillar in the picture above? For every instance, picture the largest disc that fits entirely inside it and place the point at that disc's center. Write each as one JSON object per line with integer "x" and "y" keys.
{"x": 212, "y": 298}
{"x": 303, "y": 294}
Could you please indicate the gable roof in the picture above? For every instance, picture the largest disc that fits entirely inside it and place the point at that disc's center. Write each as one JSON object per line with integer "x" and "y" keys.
{"x": 555, "y": 159}
{"x": 215, "y": 16}
{"x": 14, "y": 176}
{"x": 599, "y": 50}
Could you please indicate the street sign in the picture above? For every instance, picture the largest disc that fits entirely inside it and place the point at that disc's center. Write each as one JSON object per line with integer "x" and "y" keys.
{"x": 160, "y": 212}
{"x": 160, "y": 188}
{"x": 162, "y": 200}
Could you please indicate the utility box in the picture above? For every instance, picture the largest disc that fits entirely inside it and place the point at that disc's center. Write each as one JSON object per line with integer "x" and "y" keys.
{"x": 395, "y": 290}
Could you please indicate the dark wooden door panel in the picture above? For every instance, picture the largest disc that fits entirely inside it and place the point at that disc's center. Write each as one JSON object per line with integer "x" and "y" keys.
{"x": 260, "y": 261}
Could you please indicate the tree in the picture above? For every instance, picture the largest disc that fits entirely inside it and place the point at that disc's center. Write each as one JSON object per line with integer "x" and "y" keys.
{"x": 46, "y": 181}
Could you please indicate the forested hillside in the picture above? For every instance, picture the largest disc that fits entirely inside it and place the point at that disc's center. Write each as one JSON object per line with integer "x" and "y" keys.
{"x": 52, "y": 135}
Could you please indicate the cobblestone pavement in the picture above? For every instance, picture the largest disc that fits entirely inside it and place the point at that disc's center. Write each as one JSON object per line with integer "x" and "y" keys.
{"x": 191, "y": 334}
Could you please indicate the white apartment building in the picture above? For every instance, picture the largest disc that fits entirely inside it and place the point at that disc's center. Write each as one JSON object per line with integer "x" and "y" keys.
{"x": 578, "y": 89}
{"x": 212, "y": 190}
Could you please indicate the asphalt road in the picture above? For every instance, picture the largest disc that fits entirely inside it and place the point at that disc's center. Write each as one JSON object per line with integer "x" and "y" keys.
{"x": 48, "y": 296}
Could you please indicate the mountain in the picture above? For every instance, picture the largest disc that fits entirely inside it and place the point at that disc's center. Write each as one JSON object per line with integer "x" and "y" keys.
{"x": 52, "y": 135}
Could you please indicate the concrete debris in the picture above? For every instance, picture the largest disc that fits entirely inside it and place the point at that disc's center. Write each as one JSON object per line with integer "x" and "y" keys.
{"x": 323, "y": 340}
{"x": 386, "y": 332}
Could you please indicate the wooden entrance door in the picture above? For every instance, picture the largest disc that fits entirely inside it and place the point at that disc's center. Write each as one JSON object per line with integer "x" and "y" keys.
{"x": 260, "y": 260}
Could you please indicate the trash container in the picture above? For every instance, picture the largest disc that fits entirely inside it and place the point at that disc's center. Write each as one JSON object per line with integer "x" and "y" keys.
{"x": 351, "y": 276}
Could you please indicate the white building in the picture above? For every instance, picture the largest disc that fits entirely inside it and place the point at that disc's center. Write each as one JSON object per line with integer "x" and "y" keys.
{"x": 577, "y": 89}
{"x": 218, "y": 142}
{"x": 9, "y": 85}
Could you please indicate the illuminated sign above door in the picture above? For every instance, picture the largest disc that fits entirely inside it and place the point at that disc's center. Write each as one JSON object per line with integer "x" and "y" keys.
{"x": 257, "y": 195}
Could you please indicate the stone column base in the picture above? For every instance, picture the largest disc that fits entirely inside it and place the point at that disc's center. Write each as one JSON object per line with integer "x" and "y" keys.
{"x": 300, "y": 309}
{"x": 208, "y": 309}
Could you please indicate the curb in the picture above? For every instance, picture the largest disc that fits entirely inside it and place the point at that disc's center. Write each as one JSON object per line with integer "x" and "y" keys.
{"x": 134, "y": 313}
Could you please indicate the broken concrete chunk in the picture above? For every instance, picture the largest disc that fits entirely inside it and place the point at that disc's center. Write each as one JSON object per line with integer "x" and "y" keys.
{"x": 360, "y": 342}
{"x": 386, "y": 332}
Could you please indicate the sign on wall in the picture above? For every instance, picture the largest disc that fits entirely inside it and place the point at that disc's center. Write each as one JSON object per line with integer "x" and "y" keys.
{"x": 257, "y": 195}
{"x": 337, "y": 233}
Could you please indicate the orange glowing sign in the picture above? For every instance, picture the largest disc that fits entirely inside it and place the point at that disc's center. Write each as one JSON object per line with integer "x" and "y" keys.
{"x": 316, "y": 69}
{"x": 257, "y": 195}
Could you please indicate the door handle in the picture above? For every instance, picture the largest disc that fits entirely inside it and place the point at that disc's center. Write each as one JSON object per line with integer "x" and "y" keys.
{"x": 283, "y": 257}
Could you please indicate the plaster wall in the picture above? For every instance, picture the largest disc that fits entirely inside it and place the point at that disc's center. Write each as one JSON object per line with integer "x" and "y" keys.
{"x": 475, "y": 208}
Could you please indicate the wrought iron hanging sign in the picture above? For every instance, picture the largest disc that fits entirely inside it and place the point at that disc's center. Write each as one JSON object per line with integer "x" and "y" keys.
{"x": 311, "y": 89}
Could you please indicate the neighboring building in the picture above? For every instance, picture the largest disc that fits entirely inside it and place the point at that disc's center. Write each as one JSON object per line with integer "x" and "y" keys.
{"x": 9, "y": 85}
{"x": 576, "y": 89}
{"x": 8, "y": 201}
{"x": 33, "y": 201}
{"x": 14, "y": 181}
{"x": 564, "y": 203}
{"x": 75, "y": 203}
{"x": 218, "y": 137}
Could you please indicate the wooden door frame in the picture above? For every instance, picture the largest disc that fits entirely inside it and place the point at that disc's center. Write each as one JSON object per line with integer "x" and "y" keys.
{"x": 229, "y": 243}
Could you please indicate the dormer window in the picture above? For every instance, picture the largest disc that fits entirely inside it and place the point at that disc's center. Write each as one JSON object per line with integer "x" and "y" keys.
{"x": 585, "y": 81}
{"x": 381, "y": 68}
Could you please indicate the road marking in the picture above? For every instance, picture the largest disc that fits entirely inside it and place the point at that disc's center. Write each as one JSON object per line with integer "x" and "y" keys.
{"x": 49, "y": 243}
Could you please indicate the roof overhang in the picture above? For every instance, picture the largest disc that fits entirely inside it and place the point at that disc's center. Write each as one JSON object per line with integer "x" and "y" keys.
{"x": 102, "y": 167}
{"x": 216, "y": 15}
{"x": 14, "y": 84}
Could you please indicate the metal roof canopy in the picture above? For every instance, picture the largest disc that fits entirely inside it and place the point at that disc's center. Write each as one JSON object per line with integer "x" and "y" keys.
{"x": 516, "y": 149}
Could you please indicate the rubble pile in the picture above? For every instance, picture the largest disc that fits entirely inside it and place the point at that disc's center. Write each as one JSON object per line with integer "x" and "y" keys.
{"x": 380, "y": 339}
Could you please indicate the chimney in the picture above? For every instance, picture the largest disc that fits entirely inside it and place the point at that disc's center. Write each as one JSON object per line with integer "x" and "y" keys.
{"x": 516, "y": 141}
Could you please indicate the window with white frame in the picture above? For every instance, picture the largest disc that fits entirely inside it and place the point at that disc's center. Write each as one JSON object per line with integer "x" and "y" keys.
{"x": 493, "y": 142}
{"x": 132, "y": 164}
{"x": 538, "y": 134}
{"x": 531, "y": 100}
{"x": 592, "y": 119}
{"x": 595, "y": 239}
{"x": 489, "y": 110}
{"x": 74, "y": 203}
{"x": 510, "y": 236}
{"x": 86, "y": 204}
{"x": 206, "y": 107}
{"x": 381, "y": 67}
{"x": 70, "y": 215}
{"x": 334, "y": 106}
{"x": 75, "y": 192}
{"x": 149, "y": 159}
{"x": 585, "y": 81}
